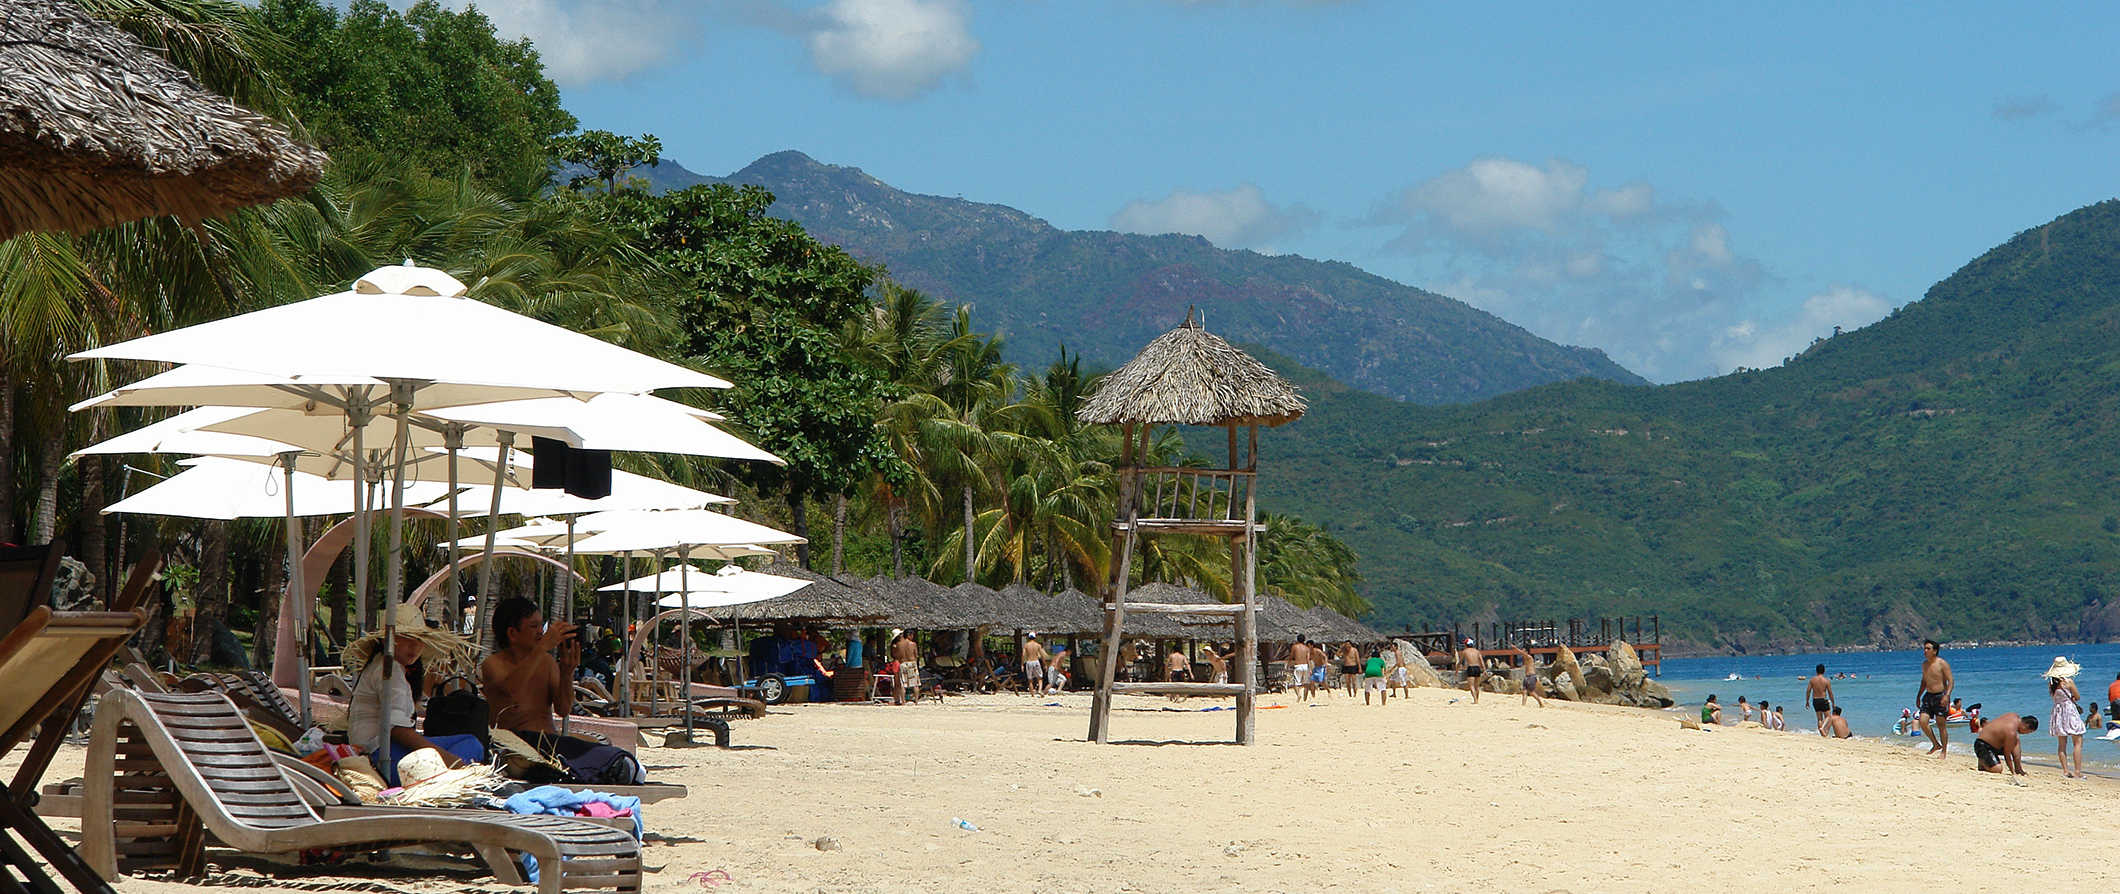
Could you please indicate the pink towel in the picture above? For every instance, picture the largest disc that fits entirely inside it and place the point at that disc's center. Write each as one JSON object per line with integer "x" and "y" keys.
{"x": 602, "y": 810}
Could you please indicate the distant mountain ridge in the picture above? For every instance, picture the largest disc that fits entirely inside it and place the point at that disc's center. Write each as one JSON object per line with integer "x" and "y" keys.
{"x": 1106, "y": 294}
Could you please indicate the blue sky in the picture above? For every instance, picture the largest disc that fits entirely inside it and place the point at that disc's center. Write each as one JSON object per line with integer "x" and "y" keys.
{"x": 1691, "y": 188}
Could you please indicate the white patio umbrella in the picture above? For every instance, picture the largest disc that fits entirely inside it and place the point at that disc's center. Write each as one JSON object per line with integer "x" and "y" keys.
{"x": 635, "y": 422}
{"x": 221, "y": 488}
{"x": 731, "y": 586}
{"x": 386, "y": 328}
{"x": 180, "y": 434}
{"x": 681, "y": 530}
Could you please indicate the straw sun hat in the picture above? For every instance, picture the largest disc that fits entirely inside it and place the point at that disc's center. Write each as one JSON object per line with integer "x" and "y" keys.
{"x": 2063, "y": 668}
{"x": 444, "y": 651}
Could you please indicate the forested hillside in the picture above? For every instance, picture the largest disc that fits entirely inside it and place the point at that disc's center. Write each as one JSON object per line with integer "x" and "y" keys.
{"x": 1948, "y": 471}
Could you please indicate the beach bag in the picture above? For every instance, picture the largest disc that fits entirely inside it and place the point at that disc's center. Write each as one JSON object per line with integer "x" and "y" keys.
{"x": 600, "y": 764}
{"x": 459, "y": 713}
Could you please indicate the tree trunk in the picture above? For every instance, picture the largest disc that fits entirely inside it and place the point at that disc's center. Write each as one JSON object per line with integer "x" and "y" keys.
{"x": 212, "y": 603}
{"x": 44, "y": 520}
{"x": 270, "y": 594}
{"x": 88, "y": 523}
{"x": 337, "y": 583}
{"x": 839, "y": 533}
{"x": 971, "y": 554}
{"x": 890, "y": 515}
{"x": 7, "y": 462}
{"x": 802, "y": 527}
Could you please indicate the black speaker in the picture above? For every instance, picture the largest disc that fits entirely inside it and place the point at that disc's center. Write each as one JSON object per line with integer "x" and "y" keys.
{"x": 581, "y": 473}
{"x": 548, "y": 463}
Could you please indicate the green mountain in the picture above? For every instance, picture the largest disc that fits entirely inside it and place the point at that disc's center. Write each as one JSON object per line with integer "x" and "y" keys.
{"x": 1948, "y": 472}
{"x": 1107, "y": 294}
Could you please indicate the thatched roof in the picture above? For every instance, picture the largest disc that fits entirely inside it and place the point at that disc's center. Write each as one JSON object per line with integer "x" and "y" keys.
{"x": 1188, "y": 377}
{"x": 1023, "y": 607}
{"x": 96, "y": 129}
{"x": 920, "y": 604}
{"x": 826, "y": 600}
{"x": 1332, "y": 625}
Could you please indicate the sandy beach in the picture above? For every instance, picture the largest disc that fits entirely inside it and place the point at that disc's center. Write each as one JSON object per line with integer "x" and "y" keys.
{"x": 1428, "y": 794}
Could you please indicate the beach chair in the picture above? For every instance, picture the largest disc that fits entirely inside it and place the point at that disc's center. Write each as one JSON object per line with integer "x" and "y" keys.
{"x": 47, "y": 660}
{"x": 166, "y": 770}
{"x": 27, "y": 574}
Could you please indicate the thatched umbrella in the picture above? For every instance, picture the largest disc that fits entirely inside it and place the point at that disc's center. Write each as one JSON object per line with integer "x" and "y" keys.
{"x": 96, "y": 129}
{"x": 917, "y": 603}
{"x": 1188, "y": 377}
{"x": 1080, "y": 612}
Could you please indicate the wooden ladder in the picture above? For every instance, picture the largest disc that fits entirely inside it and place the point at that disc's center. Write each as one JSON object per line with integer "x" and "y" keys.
{"x": 1244, "y": 610}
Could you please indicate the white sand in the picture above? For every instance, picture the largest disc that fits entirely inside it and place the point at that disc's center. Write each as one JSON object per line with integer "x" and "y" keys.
{"x": 1425, "y": 794}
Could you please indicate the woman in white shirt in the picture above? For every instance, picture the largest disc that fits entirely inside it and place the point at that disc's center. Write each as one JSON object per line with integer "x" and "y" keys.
{"x": 383, "y": 700}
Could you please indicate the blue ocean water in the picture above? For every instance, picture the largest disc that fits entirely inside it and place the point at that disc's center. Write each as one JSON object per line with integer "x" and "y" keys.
{"x": 2001, "y": 680}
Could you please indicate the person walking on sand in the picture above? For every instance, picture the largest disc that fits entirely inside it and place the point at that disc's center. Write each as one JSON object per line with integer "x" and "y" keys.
{"x": 1534, "y": 687}
{"x": 907, "y": 653}
{"x": 1373, "y": 677}
{"x": 1837, "y": 726}
{"x": 2067, "y": 720}
{"x": 2000, "y": 744}
{"x": 1471, "y": 664}
{"x": 1350, "y": 667}
{"x": 1299, "y": 667}
{"x": 1401, "y": 674}
{"x": 1820, "y": 692}
{"x": 1033, "y": 665}
{"x": 1217, "y": 663}
{"x": 1934, "y": 698}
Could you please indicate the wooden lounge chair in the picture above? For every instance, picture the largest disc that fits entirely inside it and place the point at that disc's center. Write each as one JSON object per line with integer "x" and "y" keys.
{"x": 166, "y": 770}
{"x": 46, "y": 660}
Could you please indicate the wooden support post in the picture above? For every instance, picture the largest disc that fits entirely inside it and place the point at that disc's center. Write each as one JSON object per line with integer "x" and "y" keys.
{"x": 1243, "y": 573}
{"x": 1114, "y": 625}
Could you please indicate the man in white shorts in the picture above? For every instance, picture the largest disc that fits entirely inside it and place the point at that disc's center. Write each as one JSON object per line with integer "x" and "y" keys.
{"x": 1056, "y": 670}
{"x": 1033, "y": 665}
{"x": 1300, "y": 656}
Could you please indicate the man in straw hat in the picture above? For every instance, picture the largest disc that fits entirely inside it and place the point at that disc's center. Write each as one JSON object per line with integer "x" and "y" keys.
{"x": 381, "y": 698}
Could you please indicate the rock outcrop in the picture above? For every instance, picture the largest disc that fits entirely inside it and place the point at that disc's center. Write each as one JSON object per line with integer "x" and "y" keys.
{"x": 1419, "y": 672}
{"x": 1615, "y": 678}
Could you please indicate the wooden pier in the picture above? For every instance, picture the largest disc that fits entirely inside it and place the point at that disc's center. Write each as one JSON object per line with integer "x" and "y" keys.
{"x": 1534, "y": 643}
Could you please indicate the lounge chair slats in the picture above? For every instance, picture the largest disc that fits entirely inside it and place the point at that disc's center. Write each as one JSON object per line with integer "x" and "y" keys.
{"x": 244, "y": 799}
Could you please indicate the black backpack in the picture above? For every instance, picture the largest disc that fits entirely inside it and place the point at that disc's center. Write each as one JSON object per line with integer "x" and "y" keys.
{"x": 460, "y": 712}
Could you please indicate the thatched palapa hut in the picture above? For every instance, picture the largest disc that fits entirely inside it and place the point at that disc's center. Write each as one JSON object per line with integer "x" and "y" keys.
{"x": 1189, "y": 377}
{"x": 96, "y": 129}
{"x": 827, "y": 600}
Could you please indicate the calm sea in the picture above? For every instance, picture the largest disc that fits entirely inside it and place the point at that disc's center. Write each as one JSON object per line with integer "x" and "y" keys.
{"x": 2000, "y": 680}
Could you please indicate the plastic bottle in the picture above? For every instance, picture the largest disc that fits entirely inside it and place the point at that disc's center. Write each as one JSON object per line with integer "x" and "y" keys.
{"x": 961, "y": 824}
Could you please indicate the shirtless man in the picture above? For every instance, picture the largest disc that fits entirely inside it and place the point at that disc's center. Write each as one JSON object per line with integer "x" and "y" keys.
{"x": 1471, "y": 664}
{"x": 1033, "y": 665}
{"x": 1837, "y": 726}
{"x": 1217, "y": 663}
{"x": 1177, "y": 668}
{"x": 523, "y": 684}
{"x": 1299, "y": 659}
{"x": 1534, "y": 687}
{"x": 1820, "y": 692}
{"x": 907, "y": 654}
{"x": 1744, "y": 710}
{"x": 1998, "y": 743}
{"x": 1350, "y": 667}
{"x": 1934, "y": 697}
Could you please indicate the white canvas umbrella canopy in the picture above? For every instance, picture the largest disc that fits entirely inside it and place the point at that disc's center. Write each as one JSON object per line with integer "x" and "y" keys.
{"x": 206, "y": 385}
{"x": 634, "y": 422}
{"x": 180, "y": 434}
{"x": 387, "y": 327}
{"x": 219, "y": 488}
{"x": 731, "y": 586}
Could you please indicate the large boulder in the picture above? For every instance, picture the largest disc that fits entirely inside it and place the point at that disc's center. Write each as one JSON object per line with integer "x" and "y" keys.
{"x": 1627, "y": 671}
{"x": 1565, "y": 664}
{"x": 1418, "y": 670}
{"x": 1658, "y": 693}
{"x": 1598, "y": 675}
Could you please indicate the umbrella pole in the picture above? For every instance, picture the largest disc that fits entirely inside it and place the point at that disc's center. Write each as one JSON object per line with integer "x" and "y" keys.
{"x": 566, "y": 613}
{"x": 298, "y": 596}
{"x": 394, "y": 573}
{"x": 358, "y": 415}
{"x": 654, "y": 661}
{"x": 684, "y": 679}
{"x": 493, "y": 523}
{"x": 625, "y": 668}
{"x": 452, "y": 438}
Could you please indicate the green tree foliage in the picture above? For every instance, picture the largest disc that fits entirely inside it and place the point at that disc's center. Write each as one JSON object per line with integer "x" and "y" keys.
{"x": 763, "y": 303}
{"x": 606, "y": 155}
{"x": 434, "y": 88}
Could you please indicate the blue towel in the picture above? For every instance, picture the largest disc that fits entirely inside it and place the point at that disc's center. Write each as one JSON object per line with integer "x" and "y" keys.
{"x": 552, "y": 800}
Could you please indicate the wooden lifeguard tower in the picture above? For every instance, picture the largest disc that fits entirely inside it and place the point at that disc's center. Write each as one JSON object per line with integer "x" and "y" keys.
{"x": 1188, "y": 377}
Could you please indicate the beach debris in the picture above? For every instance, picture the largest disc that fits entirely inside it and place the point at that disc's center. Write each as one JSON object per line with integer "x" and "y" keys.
{"x": 825, "y": 843}
{"x": 1232, "y": 849}
{"x": 712, "y": 878}
{"x": 962, "y": 824}
{"x": 1087, "y": 792}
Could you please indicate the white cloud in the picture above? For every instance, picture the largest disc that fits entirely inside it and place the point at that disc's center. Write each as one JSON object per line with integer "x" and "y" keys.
{"x": 583, "y": 41}
{"x": 1495, "y": 194}
{"x": 1750, "y": 343}
{"x": 1712, "y": 243}
{"x": 891, "y": 49}
{"x": 1235, "y": 218}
